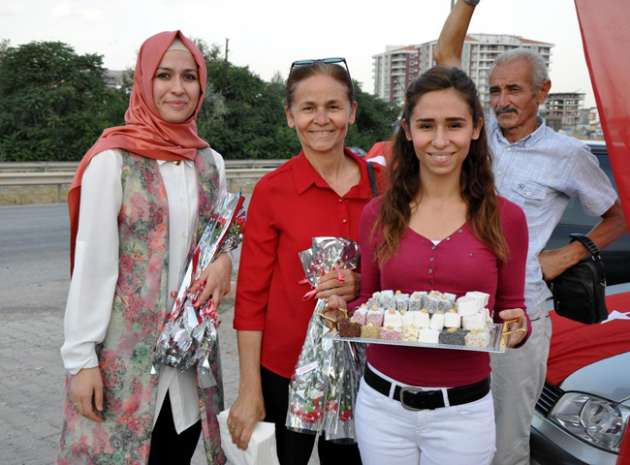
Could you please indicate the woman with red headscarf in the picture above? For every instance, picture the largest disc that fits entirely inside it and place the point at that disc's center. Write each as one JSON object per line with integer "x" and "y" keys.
{"x": 137, "y": 202}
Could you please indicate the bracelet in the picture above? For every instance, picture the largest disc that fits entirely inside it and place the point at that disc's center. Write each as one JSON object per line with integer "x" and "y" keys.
{"x": 472, "y": 3}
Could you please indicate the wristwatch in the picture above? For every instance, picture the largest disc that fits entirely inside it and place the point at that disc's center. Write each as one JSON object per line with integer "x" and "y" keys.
{"x": 472, "y": 3}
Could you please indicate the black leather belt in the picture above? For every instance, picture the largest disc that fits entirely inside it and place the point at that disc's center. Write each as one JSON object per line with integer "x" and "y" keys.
{"x": 418, "y": 399}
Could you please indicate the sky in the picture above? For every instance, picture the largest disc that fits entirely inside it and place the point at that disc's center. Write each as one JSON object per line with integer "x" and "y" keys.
{"x": 268, "y": 35}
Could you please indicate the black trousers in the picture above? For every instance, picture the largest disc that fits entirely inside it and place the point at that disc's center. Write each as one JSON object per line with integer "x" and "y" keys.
{"x": 295, "y": 448}
{"x": 168, "y": 447}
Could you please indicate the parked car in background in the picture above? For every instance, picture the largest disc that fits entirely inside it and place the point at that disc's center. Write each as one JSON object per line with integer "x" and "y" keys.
{"x": 584, "y": 408}
{"x": 583, "y": 411}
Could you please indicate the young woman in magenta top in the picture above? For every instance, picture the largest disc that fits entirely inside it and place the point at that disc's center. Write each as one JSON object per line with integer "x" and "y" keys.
{"x": 319, "y": 192}
{"x": 440, "y": 226}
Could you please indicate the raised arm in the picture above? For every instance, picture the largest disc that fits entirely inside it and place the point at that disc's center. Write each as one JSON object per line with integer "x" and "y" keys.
{"x": 448, "y": 51}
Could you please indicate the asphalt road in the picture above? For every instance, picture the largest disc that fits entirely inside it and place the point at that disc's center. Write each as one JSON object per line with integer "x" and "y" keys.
{"x": 33, "y": 286}
{"x": 34, "y": 267}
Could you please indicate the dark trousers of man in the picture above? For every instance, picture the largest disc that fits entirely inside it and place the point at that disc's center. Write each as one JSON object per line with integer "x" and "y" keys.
{"x": 295, "y": 448}
{"x": 168, "y": 447}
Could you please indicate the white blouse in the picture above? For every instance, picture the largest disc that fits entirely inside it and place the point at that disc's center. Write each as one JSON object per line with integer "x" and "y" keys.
{"x": 93, "y": 283}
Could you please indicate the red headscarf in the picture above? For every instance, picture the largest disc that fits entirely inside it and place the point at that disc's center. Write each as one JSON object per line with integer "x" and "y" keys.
{"x": 145, "y": 133}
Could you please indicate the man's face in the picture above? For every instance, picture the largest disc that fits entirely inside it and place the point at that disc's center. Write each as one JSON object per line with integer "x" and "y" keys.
{"x": 514, "y": 98}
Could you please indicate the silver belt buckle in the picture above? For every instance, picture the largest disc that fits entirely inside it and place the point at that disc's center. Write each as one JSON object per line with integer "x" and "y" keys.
{"x": 412, "y": 391}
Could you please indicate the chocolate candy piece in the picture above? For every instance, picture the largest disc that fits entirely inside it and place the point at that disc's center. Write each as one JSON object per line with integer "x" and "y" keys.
{"x": 348, "y": 328}
{"x": 453, "y": 336}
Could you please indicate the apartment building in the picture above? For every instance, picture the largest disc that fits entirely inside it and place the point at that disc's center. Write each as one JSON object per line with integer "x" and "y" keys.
{"x": 563, "y": 110}
{"x": 395, "y": 68}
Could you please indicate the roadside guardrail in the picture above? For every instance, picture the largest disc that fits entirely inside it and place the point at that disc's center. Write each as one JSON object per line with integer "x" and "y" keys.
{"x": 67, "y": 166}
{"x": 48, "y": 182}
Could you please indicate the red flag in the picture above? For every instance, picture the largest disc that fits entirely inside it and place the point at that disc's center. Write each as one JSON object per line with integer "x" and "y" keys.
{"x": 624, "y": 453}
{"x": 606, "y": 36}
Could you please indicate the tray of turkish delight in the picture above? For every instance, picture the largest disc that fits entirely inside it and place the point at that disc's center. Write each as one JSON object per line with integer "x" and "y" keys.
{"x": 422, "y": 319}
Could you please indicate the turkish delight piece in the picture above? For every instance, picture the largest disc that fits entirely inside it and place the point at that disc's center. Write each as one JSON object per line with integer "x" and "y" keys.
{"x": 402, "y": 301}
{"x": 390, "y": 334}
{"x": 474, "y": 321}
{"x": 432, "y": 303}
{"x": 392, "y": 320}
{"x": 409, "y": 333}
{"x": 481, "y": 297}
{"x": 450, "y": 297}
{"x": 437, "y": 321}
{"x": 386, "y": 299}
{"x": 478, "y": 338}
{"x": 370, "y": 331}
{"x": 452, "y": 320}
{"x": 360, "y": 315}
{"x": 428, "y": 335}
{"x": 444, "y": 304}
{"x": 467, "y": 306}
{"x": 374, "y": 317}
{"x": 417, "y": 300}
{"x": 421, "y": 319}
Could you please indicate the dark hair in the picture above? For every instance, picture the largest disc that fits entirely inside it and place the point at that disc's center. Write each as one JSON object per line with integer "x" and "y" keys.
{"x": 299, "y": 73}
{"x": 476, "y": 182}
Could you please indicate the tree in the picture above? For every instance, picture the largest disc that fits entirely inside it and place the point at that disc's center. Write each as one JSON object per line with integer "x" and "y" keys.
{"x": 374, "y": 122}
{"x": 54, "y": 102}
{"x": 4, "y": 46}
{"x": 243, "y": 115}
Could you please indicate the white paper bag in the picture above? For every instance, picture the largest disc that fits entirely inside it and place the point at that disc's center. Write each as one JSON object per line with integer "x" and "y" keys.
{"x": 262, "y": 445}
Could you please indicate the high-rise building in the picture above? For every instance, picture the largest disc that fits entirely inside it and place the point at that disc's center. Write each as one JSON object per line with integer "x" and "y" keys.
{"x": 562, "y": 110}
{"x": 395, "y": 68}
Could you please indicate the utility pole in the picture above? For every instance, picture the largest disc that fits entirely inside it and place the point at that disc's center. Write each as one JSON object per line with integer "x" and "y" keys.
{"x": 227, "y": 42}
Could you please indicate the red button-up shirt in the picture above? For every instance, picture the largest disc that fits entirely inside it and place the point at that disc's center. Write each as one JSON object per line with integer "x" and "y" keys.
{"x": 289, "y": 206}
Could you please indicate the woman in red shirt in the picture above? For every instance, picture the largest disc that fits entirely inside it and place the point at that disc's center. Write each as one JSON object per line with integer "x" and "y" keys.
{"x": 319, "y": 192}
{"x": 440, "y": 226}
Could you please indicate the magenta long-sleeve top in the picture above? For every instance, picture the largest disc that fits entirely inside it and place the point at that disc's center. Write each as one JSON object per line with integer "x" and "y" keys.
{"x": 457, "y": 264}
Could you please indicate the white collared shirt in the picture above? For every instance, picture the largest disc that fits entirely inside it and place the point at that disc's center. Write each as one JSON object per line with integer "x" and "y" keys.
{"x": 93, "y": 283}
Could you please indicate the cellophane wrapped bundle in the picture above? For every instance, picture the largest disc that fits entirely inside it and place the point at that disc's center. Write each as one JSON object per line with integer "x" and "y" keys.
{"x": 343, "y": 371}
{"x": 189, "y": 335}
{"x": 323, "y": 386}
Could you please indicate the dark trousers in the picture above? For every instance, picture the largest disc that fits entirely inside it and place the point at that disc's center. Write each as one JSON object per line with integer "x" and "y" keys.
{"x": 295, "y": 448}
{"x": 168, "y": 447}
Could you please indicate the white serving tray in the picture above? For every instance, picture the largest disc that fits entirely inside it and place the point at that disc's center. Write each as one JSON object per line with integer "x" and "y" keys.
{"x": 497, "y": 341}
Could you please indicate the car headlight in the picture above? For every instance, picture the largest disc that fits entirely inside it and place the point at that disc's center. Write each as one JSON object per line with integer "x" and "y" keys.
{"x": 593, "y": 419}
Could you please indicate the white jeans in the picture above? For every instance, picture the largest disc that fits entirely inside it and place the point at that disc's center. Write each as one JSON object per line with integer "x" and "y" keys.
{"x": 388, "y": 434}
{"x": 518, "y": 377}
